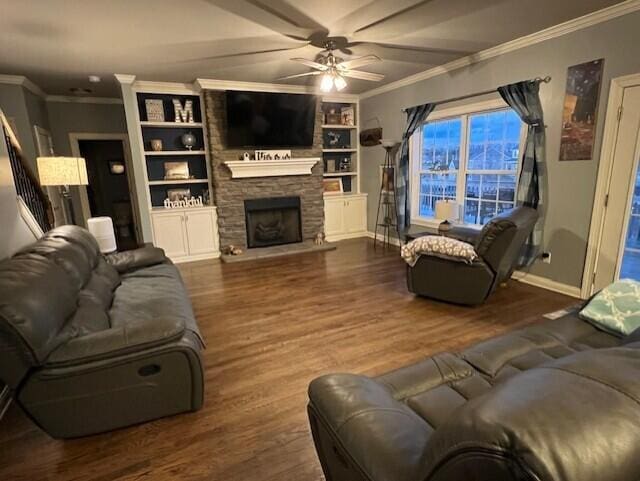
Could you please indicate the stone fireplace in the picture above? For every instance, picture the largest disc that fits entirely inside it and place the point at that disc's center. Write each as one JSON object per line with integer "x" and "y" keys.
{"x": 272, "y": 221}
{"x": 232, "y": 194}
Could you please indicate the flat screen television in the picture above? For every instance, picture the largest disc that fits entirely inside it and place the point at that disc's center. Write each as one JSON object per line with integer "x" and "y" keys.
{"x": 261, "y": 119}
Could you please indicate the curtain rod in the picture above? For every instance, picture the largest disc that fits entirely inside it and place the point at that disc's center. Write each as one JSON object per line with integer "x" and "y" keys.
{"x": 545, "y": 80}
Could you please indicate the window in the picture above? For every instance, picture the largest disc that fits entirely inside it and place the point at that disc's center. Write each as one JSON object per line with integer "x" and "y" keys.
{"x": 470, "y": 158}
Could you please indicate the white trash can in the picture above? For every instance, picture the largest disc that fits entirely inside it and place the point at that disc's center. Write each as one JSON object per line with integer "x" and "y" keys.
{"x": 102, "y": 230}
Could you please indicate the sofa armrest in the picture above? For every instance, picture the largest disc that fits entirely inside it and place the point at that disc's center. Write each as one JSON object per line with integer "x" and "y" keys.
{"x": 117, "y": 341}
{"x": 383, "y": 437}
{"x": 137, "y": 258}
{"x": 573, "y": 419}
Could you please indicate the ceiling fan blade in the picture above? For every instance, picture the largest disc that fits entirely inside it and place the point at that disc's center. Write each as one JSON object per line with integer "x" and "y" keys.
{"x": 414, "y": 48}
{"x": 375, "y": 12}
{"x": 300, "y": 75}
{"x": 359, "y": 62}
{"x": 310, "y": 63}
{"x": 239, "y": 54}
{"x": 373, "y": 77}
{"x": 293, "y": 24}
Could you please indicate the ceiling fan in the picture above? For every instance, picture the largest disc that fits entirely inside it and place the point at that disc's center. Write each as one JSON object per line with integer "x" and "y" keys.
{"x": 334, "y": 69}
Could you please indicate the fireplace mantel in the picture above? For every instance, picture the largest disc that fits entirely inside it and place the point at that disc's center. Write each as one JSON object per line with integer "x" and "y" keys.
{"x": 271, "y": 168}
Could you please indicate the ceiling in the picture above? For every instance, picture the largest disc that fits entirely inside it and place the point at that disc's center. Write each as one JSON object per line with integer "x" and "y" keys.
{"x": 58, "y": 43}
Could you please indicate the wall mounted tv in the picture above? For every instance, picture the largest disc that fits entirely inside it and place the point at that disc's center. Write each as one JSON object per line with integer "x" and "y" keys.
{"x": 261, "y": 119}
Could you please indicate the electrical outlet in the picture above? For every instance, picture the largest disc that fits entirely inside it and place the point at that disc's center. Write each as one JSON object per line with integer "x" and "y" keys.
{"x": 546, "y": 257}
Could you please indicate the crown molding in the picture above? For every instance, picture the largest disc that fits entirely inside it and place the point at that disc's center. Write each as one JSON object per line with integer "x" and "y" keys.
{"x": 83, "y": 100}
{"x": 24, "y": 82}
{"x": 589, "y": 20}
{"x": 212, "y": 84}
{"x": 124, "y": 79}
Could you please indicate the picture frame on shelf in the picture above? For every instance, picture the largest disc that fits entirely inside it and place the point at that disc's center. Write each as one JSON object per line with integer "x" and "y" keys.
{"x": 176, "y": 170}
{"x": 332, "y": 117}
{"x": 175, "y": 195}
{"x": 332, "y": 186}
{"x": 155, "y": 110}
{"x": 331, "y": 166}
{"x": 347, "y": 116}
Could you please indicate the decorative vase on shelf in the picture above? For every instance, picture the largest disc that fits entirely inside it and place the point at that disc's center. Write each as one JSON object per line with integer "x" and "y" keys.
{"x": 188, "y": 140}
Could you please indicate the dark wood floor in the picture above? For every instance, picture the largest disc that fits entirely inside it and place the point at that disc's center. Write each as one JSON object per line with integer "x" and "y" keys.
{"x": 271, "y": 327}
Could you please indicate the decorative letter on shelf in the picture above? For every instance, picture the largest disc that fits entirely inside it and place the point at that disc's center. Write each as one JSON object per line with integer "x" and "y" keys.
{"x": 183, "y": 114}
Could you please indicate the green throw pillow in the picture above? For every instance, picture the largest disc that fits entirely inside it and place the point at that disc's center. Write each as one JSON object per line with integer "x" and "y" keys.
{"x": 616, "y": 308}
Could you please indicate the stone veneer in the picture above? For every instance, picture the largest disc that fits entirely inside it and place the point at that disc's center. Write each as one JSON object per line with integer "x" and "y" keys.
{"x": 229, "y": 194}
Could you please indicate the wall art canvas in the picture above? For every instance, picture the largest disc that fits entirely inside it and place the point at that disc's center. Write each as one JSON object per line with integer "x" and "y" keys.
{"x": 580, "y": 110}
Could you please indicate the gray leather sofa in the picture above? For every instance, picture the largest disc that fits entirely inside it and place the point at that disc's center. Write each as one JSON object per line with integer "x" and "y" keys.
{"x": 90, "y": 343}
{"x": 498, "y": 246}
{"x": 557, "y": 401}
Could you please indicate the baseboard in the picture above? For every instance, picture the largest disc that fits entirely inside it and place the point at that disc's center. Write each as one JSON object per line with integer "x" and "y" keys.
{"x": 548, "y": 284}
{"x": 194, "y": 258}
{"x": 339, "y": 237}
{"x": 392, "y": 240}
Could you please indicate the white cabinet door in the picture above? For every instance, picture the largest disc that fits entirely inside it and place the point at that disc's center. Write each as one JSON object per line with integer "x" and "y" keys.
{"x": 169, "y": 233}
{"x": 201, "y": 232}
{"x": 333, "y": 217}
{"x": 355, "y": 215}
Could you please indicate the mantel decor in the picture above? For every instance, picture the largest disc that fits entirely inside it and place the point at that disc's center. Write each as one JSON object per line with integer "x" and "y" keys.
{"x": 271, "y": 168}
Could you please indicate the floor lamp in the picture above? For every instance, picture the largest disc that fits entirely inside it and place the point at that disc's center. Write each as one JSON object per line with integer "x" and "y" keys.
{"x": 63, "y": 172}
{"x": 387, "y": 202}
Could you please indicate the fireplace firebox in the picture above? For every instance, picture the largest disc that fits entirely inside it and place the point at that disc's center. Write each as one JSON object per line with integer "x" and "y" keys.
{"x": 273, "y": 221}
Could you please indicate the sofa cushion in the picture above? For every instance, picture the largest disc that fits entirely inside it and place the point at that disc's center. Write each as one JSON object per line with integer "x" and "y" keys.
{"x": 575, "y": 418}
{"x": 151, "y": 293}
{"x": 616, "y": 308}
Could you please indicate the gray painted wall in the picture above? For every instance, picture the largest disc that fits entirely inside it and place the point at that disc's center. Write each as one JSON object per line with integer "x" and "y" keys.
{"x": 16, "y": 233}
{"x": 13, "y": 102}
{"x": 571, "y": 185}
{"x": 68, "y": 117}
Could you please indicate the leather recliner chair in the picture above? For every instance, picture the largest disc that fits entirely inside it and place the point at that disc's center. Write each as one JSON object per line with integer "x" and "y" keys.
{"x": 498, "y": 246}
{"x": 557, "y": 401}
{"x": 90, "y": 343}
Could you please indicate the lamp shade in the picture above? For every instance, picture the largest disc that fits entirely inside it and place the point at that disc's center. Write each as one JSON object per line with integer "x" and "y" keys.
{"x": 447, "y": 210}
{"x": 62, "y": 171}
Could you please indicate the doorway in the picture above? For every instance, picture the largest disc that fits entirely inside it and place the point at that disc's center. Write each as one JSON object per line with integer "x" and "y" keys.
{"x": 109, "y": 190}
{"x": 617, "y": 208}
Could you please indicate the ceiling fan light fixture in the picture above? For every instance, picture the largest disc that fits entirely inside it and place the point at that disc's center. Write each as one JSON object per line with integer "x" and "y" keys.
{"x": 326, "y": 83}
{"x": 339, "y": 82}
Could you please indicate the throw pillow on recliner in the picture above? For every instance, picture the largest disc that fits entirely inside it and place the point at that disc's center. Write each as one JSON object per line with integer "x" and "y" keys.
{"x": 439, "y": 246}
{"x": 616, "y": 308}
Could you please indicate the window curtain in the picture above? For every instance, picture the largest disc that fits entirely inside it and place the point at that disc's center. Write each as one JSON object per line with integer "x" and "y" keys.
{"x": 415, "y": 117}
{"x": 524, "y": 99}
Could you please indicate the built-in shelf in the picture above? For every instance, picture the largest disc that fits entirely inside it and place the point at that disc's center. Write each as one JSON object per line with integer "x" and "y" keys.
{"x": 337, "y": 151}
{"x": 177, "y": 181}
{"x": 338, "y": 126}
{"x": 338, "y": 174}
{"x": 271, "y": 168}
{"x": 174, "y": 152}
{"x": 170, "y": 125}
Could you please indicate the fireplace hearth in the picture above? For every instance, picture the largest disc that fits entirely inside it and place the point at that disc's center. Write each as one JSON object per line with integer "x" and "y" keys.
{"x": 273, "y": 221}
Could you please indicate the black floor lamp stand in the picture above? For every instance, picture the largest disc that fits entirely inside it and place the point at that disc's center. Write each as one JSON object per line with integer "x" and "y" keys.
{"x": 387, "y": 201}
